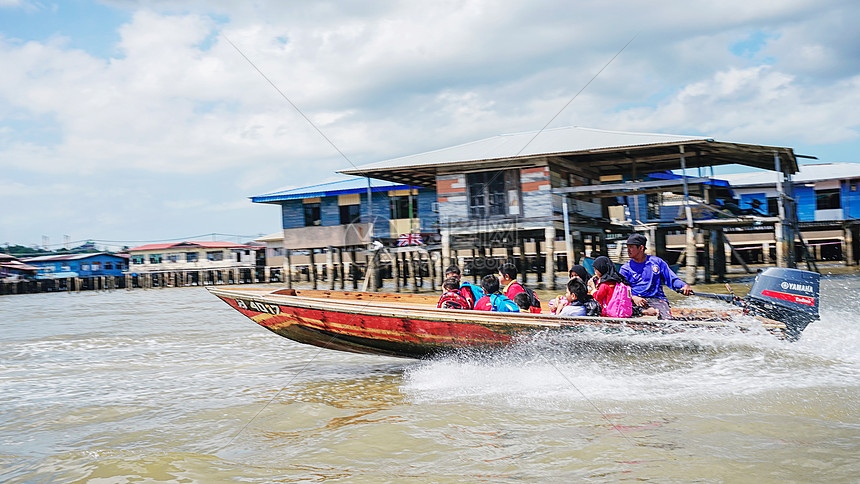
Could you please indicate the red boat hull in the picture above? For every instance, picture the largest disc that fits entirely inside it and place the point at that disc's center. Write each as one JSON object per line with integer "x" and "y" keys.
{"x": 366, "y": 323}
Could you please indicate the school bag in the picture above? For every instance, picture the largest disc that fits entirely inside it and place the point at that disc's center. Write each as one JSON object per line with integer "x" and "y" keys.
{"x": 534, "y": 301}
{"x": 471, "y": 293}
{"x": 453, "y": 300}
{"x": 502, "y": 304}
{"x": 620, "y": 305}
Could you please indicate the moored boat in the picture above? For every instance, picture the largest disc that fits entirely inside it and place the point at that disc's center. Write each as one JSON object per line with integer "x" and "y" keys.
{"x": 411, "y": 326}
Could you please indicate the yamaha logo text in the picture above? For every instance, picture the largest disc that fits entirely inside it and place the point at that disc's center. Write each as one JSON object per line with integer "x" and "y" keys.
{"x": 796, "y": 287}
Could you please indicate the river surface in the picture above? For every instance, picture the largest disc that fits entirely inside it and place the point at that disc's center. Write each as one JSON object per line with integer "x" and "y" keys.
{"x": 172, "y": 385}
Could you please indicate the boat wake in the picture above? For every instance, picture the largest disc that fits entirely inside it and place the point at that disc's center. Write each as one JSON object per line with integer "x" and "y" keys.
{"x": 555, "y": 370}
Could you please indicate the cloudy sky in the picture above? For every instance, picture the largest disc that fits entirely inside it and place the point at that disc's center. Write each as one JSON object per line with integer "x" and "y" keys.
{"x": 136, "y": 121}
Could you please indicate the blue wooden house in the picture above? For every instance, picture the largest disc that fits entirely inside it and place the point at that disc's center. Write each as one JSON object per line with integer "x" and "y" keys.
{"x": 350, "y": 212}
{"x": 79, "y": 265}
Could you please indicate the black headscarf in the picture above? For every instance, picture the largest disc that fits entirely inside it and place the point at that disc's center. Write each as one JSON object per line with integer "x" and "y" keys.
{"x": 607, "y": 270}
{"x": 580, "y": 271}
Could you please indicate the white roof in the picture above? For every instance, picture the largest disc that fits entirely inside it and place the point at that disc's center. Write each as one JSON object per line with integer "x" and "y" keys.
{"x": 807, "y": 174}
{"x": 275, "y": 237}
{"x": 549, "y": 141}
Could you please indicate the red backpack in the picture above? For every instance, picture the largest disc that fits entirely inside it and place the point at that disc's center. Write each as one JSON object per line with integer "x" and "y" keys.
{"x": 453, "y": 300}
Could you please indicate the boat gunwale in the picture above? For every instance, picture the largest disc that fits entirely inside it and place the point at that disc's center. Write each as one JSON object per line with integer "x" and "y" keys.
{"x": 538, "y": 321}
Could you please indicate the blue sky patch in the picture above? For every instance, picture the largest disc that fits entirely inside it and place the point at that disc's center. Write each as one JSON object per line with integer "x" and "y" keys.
{"x": 89, "y": 26}
{"x": 752, "y": 45}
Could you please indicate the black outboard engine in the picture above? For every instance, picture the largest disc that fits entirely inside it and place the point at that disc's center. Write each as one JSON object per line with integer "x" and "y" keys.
{"x": 786, "y": 295}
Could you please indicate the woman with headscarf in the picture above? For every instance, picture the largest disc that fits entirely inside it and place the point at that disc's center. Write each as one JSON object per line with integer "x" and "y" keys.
{"x": 602, "y": 285}
{"x": 580, "y": 272}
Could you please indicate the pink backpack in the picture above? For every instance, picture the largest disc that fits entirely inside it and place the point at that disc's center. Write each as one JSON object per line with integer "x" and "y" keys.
{"x": 620, "y": 305}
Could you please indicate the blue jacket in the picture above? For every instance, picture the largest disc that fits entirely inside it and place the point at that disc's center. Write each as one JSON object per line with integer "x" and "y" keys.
{"x": 647, "y": 279}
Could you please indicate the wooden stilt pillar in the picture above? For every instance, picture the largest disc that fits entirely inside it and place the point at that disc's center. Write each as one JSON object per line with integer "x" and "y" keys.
{"x": 288, "y": 269}
{"x": 414, "y": 268}
{"x": 353, "y": 268}
{"x": 395, "y": 270}
{"x": 781, "y": 245}
{"x": 329, "y": 264}
{"x": 523, "y": 269}
{"x": 447, "y": 258}
{"x": 341, "y": 269}
{"x": 313, "y": 269}
{"x": 549, "y": 235}
{"x": 431, "y": 270}
{"x": 690, "y": 272}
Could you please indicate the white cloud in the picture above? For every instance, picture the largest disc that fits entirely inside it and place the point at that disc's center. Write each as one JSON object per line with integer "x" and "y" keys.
{"x": 180, "y": 121}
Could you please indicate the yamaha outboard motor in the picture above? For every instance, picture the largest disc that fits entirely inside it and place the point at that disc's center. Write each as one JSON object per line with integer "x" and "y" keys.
{"x": 787, "y": 295}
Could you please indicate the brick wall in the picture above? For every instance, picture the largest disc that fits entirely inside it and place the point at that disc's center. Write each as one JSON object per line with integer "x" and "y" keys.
{"x": 537, "y": 198}
{"x": 451, "y": 195}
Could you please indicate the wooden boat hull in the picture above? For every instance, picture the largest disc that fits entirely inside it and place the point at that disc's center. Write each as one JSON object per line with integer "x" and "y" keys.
{"x": 410, "y": 325}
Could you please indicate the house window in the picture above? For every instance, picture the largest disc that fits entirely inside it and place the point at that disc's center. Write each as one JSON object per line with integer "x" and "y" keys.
{"x": 312, "y": 214}
{"x": 215, "y": 256}
{"x": 137, "y": 259}
{"x": 653, "y": 202}
{"x": 772, "y": 205}
{"x": 191, "y": 256}
{"x": 350, "y": 214}
{"x": 173, "y": 258}
{"x": 403, "y": 206}
{"x": 486, "y": 194}
{"x": 109, "y": 266}
{"x": 827, "y": 199}
{"x": 155, "y": 258}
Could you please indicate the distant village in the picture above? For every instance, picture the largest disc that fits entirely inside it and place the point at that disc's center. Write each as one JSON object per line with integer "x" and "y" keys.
{"x": 542, "y": 200}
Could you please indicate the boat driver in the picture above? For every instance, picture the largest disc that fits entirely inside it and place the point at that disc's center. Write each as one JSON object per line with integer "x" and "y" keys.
{"x": 647, "y": 274}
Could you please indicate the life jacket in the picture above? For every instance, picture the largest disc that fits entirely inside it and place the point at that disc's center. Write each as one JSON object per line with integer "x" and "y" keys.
{"x": 620, "y": 305}
{"x": 471, "y": 293}
{"x": 453, "y": 300}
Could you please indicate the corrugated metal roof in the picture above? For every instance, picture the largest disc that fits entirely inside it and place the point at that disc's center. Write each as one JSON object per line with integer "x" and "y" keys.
{"x": 806, "y": 174}
{"x": 606, "y": 152}
{"x": 339, "y": 187}
{"x": 215, "y": 244}
{"x": 52, "y": 258}
{"x": 550, "y": 141}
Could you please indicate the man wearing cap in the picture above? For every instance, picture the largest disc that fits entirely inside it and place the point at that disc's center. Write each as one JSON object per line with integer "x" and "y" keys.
{"x": 647, "y": 274}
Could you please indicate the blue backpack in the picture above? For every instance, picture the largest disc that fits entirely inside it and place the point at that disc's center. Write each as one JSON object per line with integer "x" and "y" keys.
{"x": 476, "y": 293}
{"x": 502, "y": 304}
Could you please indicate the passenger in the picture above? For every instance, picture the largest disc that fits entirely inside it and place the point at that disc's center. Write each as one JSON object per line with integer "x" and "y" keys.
{"x": 602, "y": 287}
{"x": 580, "y": 272}
{"x": 647, "y": 274}
{"x": 508, "y": 278}
{"x": 470, "y": 292}
{"x": 494, "y": 300}
{"x": 559, "y": 302}
{"x": 451, "y": 297}
{"x": 523, "y": 301}
{"x": 579, "y": 303}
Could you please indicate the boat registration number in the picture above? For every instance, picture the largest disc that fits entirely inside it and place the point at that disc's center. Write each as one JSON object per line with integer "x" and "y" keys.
{"x": 258, "y": 306}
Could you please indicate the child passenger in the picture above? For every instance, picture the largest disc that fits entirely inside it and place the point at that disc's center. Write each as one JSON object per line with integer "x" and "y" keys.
{"x": 493, "y": 299}
{"x": 523, "y": 301}
{"x": 579, "y": 303}
{"x": 451, "y": 297}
